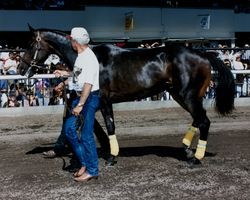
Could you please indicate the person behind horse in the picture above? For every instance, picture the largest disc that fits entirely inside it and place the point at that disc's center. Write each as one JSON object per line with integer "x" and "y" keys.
{"x": 61, "y": 146}
{"x": 85, "y": 81}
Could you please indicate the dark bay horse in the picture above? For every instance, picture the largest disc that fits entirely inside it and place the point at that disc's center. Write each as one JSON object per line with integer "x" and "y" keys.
{"x": 131, "y": 74}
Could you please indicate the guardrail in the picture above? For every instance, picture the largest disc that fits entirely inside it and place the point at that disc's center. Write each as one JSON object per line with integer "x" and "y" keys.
{"x": 36, "y": 76}
{"x": 242, "y": 88}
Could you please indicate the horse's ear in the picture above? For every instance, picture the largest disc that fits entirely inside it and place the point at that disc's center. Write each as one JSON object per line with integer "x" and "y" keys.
{"x": 31, "y": 28}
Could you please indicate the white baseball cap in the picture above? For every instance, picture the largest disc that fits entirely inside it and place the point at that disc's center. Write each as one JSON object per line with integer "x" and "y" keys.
{"x": 80, "y": 34}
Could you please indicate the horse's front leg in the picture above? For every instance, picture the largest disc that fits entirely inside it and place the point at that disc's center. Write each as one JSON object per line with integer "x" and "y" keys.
{"x": 107, "y": 112}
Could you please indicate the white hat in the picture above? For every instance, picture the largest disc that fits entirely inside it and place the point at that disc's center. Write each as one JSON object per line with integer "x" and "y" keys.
{"x": 80, "y": 35}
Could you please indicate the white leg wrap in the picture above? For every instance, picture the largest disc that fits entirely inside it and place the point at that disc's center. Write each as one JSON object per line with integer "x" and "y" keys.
{"x": 187, "y": 140}
{"x": 114, "y": 146}
{"x": 201, "y": 149}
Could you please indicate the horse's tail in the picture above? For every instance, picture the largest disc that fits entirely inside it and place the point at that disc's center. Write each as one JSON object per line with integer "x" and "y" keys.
{"x": 224, "y": 85}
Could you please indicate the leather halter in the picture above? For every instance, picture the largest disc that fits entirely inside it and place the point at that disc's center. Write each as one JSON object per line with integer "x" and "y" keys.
{"x": 38, "y": 47}
{"x": 33, "y": 63}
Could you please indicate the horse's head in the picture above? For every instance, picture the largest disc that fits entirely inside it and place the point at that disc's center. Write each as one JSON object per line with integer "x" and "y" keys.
{"x": 35, "y": 55}
{"x": 43, "y": 43}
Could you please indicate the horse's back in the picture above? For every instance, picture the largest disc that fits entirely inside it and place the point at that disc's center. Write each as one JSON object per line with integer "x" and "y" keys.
{"x": 131, "y": 73}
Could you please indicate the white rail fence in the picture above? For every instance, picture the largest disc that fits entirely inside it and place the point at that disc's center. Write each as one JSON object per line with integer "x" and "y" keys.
{"x": 242, "y": 88}
{"x": 29, "y": 84}
{"x": 136, "y": 105}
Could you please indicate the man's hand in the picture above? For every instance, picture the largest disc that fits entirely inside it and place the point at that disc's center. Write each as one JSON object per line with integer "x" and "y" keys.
{"x": 61, "y": 73}
{"x": 76, "y": 111}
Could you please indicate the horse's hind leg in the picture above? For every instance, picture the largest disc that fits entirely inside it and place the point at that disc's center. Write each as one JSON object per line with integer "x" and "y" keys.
{"x": 201, "y": 122}
{"x": 187, "y": 140}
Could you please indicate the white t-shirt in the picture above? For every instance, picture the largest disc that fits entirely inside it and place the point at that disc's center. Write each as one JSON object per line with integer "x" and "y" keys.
{"x": 11, "y": 63}
{"x": 86, "y": 70}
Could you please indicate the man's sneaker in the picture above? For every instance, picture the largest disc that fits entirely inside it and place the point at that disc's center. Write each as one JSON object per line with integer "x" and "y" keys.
{"x": 49, "y": 154}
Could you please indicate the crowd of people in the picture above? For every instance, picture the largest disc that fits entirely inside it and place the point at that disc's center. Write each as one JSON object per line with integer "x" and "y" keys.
{"x": 23, "y": 92}
{"x": 237, "y": 60}
{"x": 15, "y": 93}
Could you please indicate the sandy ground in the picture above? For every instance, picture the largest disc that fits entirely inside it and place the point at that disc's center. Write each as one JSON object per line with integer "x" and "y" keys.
{"x": 150, "y": 165}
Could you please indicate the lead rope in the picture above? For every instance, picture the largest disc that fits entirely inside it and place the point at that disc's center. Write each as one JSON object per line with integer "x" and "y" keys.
{"x": 66, "y": 98}
{"x": 67, "y": 108}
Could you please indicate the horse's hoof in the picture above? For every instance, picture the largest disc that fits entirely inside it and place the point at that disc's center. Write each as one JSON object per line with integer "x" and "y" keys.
{"x": 193, "y": 162}
{"x": 111, "y": 161}
{"x": 189, "y": 152}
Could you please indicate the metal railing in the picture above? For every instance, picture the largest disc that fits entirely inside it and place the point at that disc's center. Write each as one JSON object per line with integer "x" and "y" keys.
{"x": 242, "y": 88}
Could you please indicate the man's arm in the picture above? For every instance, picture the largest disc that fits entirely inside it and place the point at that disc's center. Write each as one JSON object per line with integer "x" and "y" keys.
{"x": 85, "y": 93}
{"x": 62, "y": 73}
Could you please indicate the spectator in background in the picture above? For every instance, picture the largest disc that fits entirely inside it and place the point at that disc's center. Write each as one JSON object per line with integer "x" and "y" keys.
{"x": 245, "y": 57}
{"x": 219, "y": 51}
{"x": 20, "y": 95}
{"x": 3, "y": 93}
{"x": 240, "y": 78}
{"x": 18, "y": 59}
{"x": 3, "y": 57}
{"x": 226, "y": 54}
{"x": 10, "y": 65}
{"x": 52, "y": 61}
{"x": 41, "y": 88}
{"x": 228, "y": 63}
{"x": 32, "y": 99}
{"x": 1, "y": 61}
{"x": 13, "y": 101}
{"x": 237, "y": 64}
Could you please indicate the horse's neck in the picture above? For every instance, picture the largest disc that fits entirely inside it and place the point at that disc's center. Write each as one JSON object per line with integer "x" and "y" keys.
{"x": 67, "y": 54}
{"x": 63, "y": 49}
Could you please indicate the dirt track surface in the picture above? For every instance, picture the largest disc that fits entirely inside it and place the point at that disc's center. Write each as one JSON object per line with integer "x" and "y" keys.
{"x": 150, "y": 165}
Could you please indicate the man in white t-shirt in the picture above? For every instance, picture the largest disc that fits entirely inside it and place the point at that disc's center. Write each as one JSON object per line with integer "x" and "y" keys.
{"x": 85, "y": 81}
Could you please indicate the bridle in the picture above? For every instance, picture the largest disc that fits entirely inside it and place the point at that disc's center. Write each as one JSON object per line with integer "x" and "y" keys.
{"x": 33, "y": 64}
{"x": 38, "y": 47}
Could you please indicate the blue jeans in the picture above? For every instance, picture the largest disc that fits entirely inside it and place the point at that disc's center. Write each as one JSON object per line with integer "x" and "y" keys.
{"x": 84, "y": 147}
{"x": 60, "y": 145}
